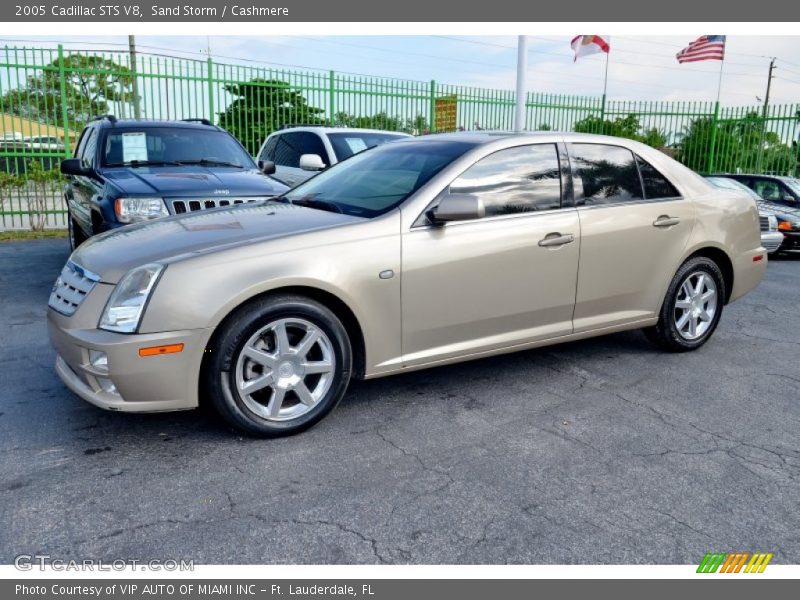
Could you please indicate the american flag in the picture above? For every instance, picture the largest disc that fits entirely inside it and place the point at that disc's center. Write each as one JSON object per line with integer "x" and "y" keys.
{"x": 706, "y": 47}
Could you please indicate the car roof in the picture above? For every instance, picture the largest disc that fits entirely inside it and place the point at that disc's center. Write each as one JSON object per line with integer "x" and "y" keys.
{"x": 325, "y": 129}
{"x": 139, "y": 123}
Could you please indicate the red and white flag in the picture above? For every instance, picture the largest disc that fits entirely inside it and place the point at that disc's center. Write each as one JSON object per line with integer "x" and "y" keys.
{"x": 584, "y": 45}
{"x": 706, "y": 47}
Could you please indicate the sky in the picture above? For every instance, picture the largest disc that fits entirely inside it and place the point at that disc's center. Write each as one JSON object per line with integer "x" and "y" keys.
{"x": 640, "y": 68}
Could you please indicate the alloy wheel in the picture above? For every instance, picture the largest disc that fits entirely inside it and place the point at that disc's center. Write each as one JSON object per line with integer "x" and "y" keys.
{"x": 285, "y": 369}
{"x": 695, "y": 305}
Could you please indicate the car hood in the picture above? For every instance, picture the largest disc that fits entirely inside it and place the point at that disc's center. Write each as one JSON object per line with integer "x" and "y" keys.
{"x": 112, "y": 254}
{"x": 781, "y": 211}
{"x": 192, "y": 180}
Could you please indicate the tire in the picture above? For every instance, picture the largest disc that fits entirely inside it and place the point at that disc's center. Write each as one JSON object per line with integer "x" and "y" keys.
{"x": 677, "y": 332}
{"x": 75, "y": 234}
{"x": 278, "y": 366}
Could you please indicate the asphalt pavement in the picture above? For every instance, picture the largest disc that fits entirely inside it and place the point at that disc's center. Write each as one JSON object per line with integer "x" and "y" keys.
{"x": 601, "y": 451}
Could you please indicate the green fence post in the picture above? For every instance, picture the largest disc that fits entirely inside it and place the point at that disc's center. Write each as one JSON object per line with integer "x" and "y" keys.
{"x": 432, "y": 126}
{"x": 62, "y": 82}
{"x": 331, "y": 97}
{"x": 210, "y": 90}
{"x": 711, "y": 150}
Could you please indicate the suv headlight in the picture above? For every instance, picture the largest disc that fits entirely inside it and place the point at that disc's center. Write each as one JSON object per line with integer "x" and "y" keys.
{"x": 125, "y": 306}
{"x": 131, "y": 210}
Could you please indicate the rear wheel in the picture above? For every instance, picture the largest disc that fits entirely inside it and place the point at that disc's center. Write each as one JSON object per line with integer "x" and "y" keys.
{"x": 692, "y": 307}
{"x": 278, "y": 366}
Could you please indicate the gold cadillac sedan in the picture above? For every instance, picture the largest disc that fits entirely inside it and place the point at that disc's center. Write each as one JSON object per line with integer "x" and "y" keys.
{"x": 414, "y": 254}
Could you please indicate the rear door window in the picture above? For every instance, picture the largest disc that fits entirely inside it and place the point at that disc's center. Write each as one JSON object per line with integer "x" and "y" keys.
{"x": 604, "y": 174}
{"x": 656, "y": 186}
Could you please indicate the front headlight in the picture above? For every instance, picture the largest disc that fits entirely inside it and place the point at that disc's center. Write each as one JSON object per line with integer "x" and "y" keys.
{"x": 131, "y": 210}
{"x": 789, "y": 226}
{"x": 125, "y": 306}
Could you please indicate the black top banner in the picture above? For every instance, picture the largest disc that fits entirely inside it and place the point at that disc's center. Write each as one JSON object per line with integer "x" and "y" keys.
{"x": 407, "y": 11}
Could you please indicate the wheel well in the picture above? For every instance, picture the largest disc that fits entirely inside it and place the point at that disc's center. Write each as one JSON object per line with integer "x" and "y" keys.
{"x": 723, "y": 262}
{"x": 97, "y": 222}
{"x": 335, "y": 305}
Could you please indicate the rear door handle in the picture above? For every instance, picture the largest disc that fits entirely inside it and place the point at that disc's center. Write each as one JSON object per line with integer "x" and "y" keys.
{"x": 666, "y": 221}
{"x": 556, "y": 239}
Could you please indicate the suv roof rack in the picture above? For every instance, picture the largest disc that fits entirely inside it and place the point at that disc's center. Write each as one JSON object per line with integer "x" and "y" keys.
{"x": 199, "y": 120}
{"x": 111, "y": 118}
{"x": 290, "y": 125}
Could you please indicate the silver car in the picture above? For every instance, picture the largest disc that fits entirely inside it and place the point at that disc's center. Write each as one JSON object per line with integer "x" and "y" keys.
{"x": 413, "y": 254}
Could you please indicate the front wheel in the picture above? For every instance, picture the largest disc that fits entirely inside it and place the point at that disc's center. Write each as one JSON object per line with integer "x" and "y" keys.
{"x": 692, "y": 307}
{"x": 76, "y": 236}
{"x": 278, "y": 366}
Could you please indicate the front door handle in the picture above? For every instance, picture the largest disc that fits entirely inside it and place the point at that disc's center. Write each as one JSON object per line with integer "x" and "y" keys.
{"x": 556, "y": 239}
{"x": 666, "y": 221}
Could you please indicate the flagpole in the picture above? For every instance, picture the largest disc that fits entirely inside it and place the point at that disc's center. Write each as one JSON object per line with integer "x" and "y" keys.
{"x": 605, "y": 91}
{"x": 712, "y": 151}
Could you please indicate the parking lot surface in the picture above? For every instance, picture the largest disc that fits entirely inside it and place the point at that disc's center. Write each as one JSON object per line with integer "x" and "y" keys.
{"x": 599, "y": 451}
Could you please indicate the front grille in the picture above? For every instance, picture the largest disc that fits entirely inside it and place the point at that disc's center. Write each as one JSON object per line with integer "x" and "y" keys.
{"x": 180, "y": 206}
{"x": 764, "y": 222}
{"x": 71, "y": 287}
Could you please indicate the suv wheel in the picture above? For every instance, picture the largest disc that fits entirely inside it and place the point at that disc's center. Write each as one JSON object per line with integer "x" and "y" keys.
{"x": 76, "y": 237}
{"x": 278, "y": 366}
{"x": 692, "y": 307}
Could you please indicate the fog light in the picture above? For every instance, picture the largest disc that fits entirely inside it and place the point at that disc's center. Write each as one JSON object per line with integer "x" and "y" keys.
{"x": 98, "y": 360}
{"x": 107, "y": 386}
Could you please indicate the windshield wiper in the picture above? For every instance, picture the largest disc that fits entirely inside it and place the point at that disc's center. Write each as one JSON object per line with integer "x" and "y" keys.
{"x": 144, "y": 163}
{"x": 208, "y": 161}
{"x": 320, "y": 204}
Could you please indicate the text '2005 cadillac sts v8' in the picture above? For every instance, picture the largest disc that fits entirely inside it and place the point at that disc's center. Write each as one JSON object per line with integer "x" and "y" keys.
{"x": 413, "y": 254}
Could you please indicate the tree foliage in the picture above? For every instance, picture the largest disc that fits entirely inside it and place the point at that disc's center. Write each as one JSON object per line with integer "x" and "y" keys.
{"x": 625, "y": 127}
{"x": 91, "y": 84}
{"x": 263, "y": 105}
{"x": 416, "y": 125}
{"x": 744, "y": 144}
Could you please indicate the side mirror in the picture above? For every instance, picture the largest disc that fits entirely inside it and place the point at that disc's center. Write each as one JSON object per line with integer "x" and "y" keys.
{"x": 789, "y": 199}
{"x": 267, "y": 167}
{"x": 457, "y": 207}
{"x": 74, "y": 166}
{"x": 312, "y": 162}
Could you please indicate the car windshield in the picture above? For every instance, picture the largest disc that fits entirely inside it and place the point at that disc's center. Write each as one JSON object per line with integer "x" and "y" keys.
{"x": 372, "y": 183}
{"x": 173, "y": 146}
{"x": 793, "y": 184}
{"x": 732, "y": 184}
{"x": 347, "y": 144}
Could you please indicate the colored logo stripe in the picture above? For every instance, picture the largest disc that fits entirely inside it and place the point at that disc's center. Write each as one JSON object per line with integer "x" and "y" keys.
{"x": 734, "y": 561}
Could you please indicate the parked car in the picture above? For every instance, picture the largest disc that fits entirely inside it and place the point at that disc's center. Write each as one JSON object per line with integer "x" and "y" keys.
{"x": 771, "y": 237}
{"x": 126, "y": 171}
{"x": 13, "y": 141}
{"x": 299, "y": 153}
{"x": 781, "y": 197}
{"x": 46, "y": 143}
{"x": 268, "y": 310}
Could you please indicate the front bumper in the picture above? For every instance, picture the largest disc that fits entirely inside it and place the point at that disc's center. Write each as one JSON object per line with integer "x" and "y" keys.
{"x": 791, "y": 240}
{"x": 140, "y": 384}
{"x": 771, "y": 241}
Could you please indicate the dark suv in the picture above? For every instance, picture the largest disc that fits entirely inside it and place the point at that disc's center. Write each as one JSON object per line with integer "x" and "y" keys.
{"x": 125, "y": 171}
{"x": 781, "y": 197}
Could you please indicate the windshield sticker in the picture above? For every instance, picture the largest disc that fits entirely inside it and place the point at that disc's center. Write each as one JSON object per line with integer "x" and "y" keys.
{"x": 356, "y": 144}
{"x": 134, "y": 146}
